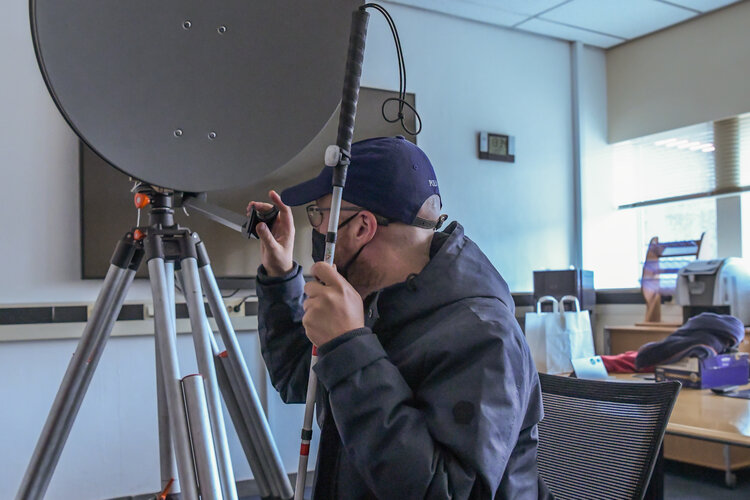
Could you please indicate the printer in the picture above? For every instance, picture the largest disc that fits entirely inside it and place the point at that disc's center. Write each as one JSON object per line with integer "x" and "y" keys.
{"x": 720, "y": 285}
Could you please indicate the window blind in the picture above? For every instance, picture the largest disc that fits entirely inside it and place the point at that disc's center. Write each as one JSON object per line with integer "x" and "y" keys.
{"x": 744, "y": 143}
{"x": 668, "y": 166}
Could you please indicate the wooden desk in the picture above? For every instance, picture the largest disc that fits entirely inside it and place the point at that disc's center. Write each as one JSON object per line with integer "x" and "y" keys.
{"x": 707, "y": 429}
{"x": 698, "y": 442}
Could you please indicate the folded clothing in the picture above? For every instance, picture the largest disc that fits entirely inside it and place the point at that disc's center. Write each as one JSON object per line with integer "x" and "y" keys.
{"x": 623, "y": 363}
{"x": 704, "y": 335}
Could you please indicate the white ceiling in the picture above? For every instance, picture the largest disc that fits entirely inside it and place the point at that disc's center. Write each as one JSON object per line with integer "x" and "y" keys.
{"x": 602, "y": 23}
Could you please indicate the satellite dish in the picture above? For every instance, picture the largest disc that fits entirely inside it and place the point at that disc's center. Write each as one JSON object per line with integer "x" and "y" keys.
{"x": 192, "y": 95}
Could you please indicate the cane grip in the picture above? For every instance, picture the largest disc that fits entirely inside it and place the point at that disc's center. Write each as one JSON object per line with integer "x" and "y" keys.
{"x": 350, "y": 94}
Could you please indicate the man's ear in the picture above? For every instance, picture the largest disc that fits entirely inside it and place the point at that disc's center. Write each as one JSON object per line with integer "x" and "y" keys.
{"x": 367, "y": 225}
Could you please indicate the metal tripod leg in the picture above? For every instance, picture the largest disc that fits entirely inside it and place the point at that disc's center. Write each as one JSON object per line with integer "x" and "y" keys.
{"x": 80, "y": 371}
{"x": 167, "y": 463}
{"x": 226, "y": 385}
{"x": 166, "y": 337}
{"x": 202, "y": 339}
{"x": 248, "y": 420}
{"x": 248, "y": 445}
{"x": 244, "y": 389}
{"x": 201, "y": 437}
{"x": 221, "y": 362}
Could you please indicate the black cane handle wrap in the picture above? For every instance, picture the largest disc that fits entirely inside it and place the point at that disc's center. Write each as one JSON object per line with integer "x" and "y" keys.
{"x": 350, "y": 95}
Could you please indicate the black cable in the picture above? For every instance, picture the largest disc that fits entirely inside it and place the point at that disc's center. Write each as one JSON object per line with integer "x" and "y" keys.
{"x": 401, "y": 99}
{"x": 401, "y": 69}
{"x": 179, "y": 289}
{"x": 237, "y": 306}
{"x": 231, "y": 294}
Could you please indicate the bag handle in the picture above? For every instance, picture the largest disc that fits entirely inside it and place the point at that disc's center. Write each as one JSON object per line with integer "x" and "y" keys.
{"x": 569, "y": 298}
{"x": 546, "y": 298}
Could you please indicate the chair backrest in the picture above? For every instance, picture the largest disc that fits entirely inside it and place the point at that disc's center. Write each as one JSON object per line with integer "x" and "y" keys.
{"x": 600, "y": 439}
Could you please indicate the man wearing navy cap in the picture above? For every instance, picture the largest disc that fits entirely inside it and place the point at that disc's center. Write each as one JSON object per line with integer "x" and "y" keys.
{"x": 427, "y": 388}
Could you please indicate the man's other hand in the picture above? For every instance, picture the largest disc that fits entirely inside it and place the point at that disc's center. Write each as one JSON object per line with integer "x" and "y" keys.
{"x": 276, "y": 244}
{"x": 332, "y": 307}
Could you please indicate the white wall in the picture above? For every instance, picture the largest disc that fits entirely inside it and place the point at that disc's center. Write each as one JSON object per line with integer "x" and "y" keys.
{"x": 39, "y": 174}
{"x": 607, "y": 233}
{"x": 691, "y": 73}
{"x": 467, "y": 77}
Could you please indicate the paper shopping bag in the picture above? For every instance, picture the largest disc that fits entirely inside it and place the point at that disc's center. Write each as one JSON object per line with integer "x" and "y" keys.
{"x": 557, "y": 337}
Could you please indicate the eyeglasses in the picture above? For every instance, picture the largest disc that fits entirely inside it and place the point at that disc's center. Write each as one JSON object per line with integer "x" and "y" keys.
{"x": 315, "y": 213}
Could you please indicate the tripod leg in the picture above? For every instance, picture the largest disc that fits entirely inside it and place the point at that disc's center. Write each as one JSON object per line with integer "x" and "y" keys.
{"x": 202, "y": 337}
{"x": 166, "y": 337}
{"x": 240, "y": 425}
{"x": 168, "y": 466}
{"x": 201, "y": 437}
{"x": 226, "y": 385}
{"x": 247, "y": 397}
{"x": 80, "y": 370}
{"x": 262, "y": 465}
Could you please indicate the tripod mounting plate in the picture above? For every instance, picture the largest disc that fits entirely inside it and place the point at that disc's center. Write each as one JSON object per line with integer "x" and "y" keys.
{"x": 191, "y": 95}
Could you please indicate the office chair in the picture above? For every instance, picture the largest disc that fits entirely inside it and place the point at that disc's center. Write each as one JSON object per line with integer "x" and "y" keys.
{"x": 600, "y": 439}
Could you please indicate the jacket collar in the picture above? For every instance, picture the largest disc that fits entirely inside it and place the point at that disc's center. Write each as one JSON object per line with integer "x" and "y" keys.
{"x": 457, "y": 270}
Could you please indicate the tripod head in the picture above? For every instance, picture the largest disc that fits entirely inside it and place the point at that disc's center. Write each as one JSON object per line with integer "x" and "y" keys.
{"x": 161, "y": 203}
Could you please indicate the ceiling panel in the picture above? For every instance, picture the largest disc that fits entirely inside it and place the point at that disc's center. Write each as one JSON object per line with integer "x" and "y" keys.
{"x": 625, "y": 19}
{"x": 467, "y": 10}
{"x": 569, "y": 33}
{"x": 528, "y": 7}
{"x": 602, "y": 23}
{"x": 702, "y": 5}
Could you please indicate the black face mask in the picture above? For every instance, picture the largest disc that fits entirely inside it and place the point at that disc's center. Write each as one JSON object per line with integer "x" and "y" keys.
{"x": 319, "y": 247}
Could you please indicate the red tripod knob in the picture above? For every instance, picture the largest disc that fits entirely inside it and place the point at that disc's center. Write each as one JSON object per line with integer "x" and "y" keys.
{"x": 141, "y": 200}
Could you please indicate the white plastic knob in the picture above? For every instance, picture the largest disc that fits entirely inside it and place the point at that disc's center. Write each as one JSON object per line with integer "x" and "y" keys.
{"x": 333, "y": 156}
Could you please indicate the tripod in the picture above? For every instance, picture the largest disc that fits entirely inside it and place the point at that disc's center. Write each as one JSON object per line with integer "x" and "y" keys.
{"x": 193, "y": 449}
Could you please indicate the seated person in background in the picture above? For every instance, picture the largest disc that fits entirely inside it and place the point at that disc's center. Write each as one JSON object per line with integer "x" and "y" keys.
{"x": 426, "y": 388}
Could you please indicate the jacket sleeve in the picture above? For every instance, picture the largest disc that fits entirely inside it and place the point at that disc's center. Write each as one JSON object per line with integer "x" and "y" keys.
{"x": 449, "y": 437}
{"x": 285, "y": 347}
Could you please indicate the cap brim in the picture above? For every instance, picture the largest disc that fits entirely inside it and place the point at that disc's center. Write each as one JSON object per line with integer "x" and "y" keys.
{"x": 307, "y": 191}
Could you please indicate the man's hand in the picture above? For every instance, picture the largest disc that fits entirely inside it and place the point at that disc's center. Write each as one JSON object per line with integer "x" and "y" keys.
{"x": 276, "y": 244}
{"x": 332, "y": 308}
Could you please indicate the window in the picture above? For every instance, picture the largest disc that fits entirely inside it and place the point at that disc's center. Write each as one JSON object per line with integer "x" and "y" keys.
{"x": 744, "y": 141}
{"x": 657, "y": 187}
{"x": 674, "y": 185}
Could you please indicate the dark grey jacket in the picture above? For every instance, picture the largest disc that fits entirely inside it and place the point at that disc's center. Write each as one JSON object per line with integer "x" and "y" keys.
{"x": 437, "y": 397}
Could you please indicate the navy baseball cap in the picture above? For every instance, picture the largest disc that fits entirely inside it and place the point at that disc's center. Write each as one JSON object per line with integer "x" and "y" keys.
{"x": 389, "y": 176}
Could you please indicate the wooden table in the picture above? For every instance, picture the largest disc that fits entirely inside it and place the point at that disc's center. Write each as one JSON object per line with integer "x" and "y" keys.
{"x": 703, "y": 425}
{"x": 690, "y": 440}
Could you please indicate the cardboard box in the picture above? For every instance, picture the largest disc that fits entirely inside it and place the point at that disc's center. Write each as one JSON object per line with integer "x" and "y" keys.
{"x": 724, "y": 369}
